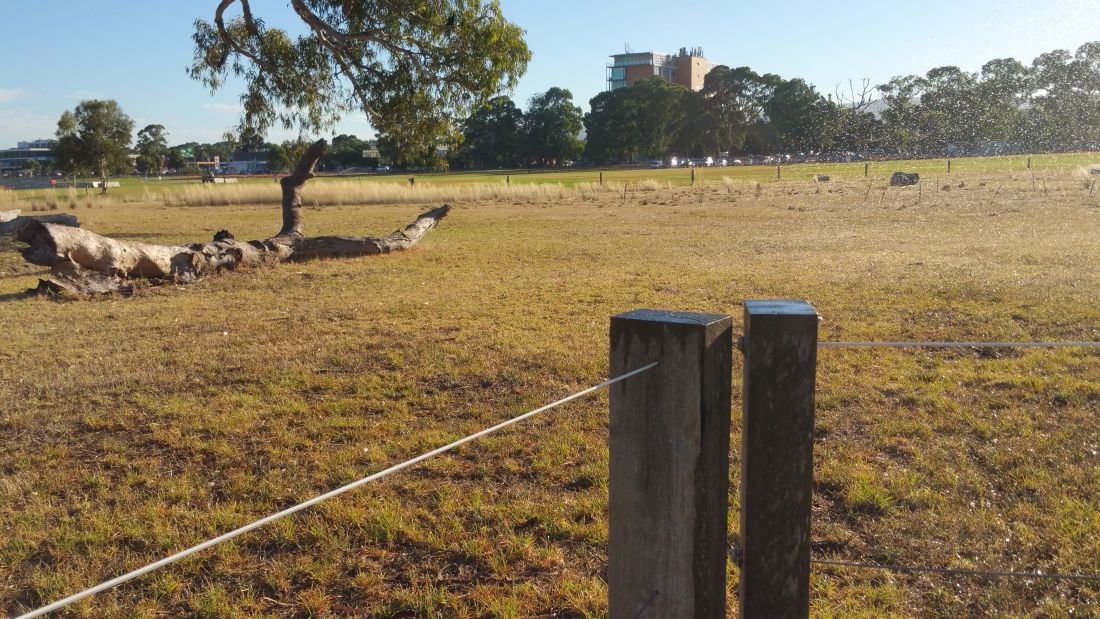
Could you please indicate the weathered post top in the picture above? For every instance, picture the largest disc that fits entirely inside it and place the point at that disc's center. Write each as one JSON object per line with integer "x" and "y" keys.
{"x": 779, "y": 307}
{"x": 660, "y": 316}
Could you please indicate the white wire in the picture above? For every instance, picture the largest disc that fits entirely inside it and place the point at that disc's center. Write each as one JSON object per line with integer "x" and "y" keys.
{"x": 958, "y": 344}
{"x": 317, "y": 499}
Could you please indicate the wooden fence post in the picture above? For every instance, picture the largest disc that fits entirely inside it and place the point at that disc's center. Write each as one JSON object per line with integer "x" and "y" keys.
{"x": 780, "y": 349}
{"x": 669, "y": 478}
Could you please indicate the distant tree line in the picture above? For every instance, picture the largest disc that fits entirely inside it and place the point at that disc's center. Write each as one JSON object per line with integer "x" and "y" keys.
{"x": 1053, "y": 104}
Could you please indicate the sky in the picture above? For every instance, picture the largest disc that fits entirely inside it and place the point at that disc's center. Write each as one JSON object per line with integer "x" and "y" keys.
{"x": 59, "y": 52}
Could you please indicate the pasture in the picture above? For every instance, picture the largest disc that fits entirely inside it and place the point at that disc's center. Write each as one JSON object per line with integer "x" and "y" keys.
{"x": 133, "y": 428}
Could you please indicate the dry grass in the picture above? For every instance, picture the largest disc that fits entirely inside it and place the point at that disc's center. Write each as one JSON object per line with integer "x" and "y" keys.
{"x": 1087, "y": 176}
{"x": 133, "y": 428}
{"x": 42, "y": 200}
{"x": 346, "y": 193}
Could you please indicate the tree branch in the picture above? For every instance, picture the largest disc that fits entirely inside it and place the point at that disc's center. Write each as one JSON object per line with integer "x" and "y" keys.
{"x": 249, "y": 23}
{"x": 231, "y": 43}
{"x": 292, "y": 189}
{"x": 321, "y": 28}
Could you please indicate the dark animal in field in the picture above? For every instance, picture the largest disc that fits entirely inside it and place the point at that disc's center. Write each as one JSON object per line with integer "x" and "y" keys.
{"x": 904, "y": 179}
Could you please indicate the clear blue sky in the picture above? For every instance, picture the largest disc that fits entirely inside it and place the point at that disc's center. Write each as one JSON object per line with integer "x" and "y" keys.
{"x": 58, "y": 52}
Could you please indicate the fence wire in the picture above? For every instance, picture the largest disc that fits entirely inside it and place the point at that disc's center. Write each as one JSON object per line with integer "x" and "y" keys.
{"x": 1036, "y": 575}
{"x": 323, "y": 497}
{"x": 904, "y": 344}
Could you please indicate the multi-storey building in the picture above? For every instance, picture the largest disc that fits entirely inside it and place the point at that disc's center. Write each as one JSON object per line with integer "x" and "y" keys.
{"x": 687, "y": 68}
{"x": 13, "y": 160}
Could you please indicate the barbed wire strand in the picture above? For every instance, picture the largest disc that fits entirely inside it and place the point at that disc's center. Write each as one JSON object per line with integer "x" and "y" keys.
{"x": 323, "y": 497}
{"x": 1083, "y": 344}
{"x": 960, "y": 572}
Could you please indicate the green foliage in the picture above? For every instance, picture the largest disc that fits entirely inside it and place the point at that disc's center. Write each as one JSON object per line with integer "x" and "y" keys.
{"x": 734, "y": 99}
{"x": 152, "y": 148}
{"x": 175, "y": 159}
{"x": 94, "y": 138}
{"x": 552, "y": 124}
{"x": 797, "y": 116}
{"x": 410, "y": 65}
{"x": 493, "y": 136}
{"x": 609, "y": 123}
{"x": 1052, "y": 105}
{"x": 277, "y": 159}
{"x": 345, "y": 151}
{"x": 643, "y": 120}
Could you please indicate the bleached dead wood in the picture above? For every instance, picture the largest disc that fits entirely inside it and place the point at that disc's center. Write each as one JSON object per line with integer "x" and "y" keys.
{"x": 12, "y": 221}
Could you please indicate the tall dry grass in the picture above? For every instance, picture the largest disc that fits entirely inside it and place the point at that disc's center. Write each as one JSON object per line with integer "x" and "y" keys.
{"x": 359, "y": 193}
{"x": 1086, "y": 176}
{"x": 41, "y": 199}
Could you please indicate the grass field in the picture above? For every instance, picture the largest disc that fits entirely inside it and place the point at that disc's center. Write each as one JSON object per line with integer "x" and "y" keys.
{"x": 390, "y": 186}
{"x": 133, "y": 428}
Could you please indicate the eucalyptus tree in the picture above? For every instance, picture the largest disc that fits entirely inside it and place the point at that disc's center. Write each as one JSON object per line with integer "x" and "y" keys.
{"x": 410, "y": 65}
{"x": 610, "y": 126}
{"x": 551, "y": 126}
{"x": 151, "y": 148}
{"x": 797, "y": 114}
{"x": 94, "y": 138}
{"x": 734, "y": 99}
{"x": 1005, "y": 89}
{"x": 493, "y": 134}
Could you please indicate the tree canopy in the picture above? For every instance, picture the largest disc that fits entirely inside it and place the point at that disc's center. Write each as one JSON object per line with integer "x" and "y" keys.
{"x": 493, "y": 136}
{"x": 411, "y": 65}
{"x": 552, "y": 124}
{"x": 152, "y": 148}
{"x": 95, "y": 138}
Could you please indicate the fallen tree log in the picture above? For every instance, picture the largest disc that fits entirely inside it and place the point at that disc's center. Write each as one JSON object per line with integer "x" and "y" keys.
{"x": 84, "y": 262}
{"x": 12, "y": 221}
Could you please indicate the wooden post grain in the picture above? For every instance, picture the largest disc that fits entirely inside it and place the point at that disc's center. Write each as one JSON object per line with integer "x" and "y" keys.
{"x": 669, "y": 477}
{"x": 780, "y": 349}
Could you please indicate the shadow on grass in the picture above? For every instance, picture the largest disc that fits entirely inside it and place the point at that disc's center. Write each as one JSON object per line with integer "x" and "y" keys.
{"x": 144, "y": 237}
{"x": 18, "y": 296}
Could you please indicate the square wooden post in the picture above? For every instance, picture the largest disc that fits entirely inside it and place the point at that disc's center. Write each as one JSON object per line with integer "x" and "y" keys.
{"x": 780, "y": 349}
{"x": 669, "y": 478}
